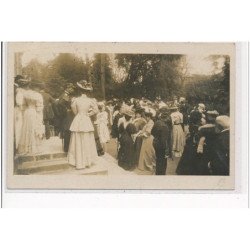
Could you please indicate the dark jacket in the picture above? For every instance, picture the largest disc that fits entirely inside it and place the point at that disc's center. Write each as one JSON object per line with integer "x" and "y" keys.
{"x": 220, "y": 157}
{"x": 162, "y": 136}
{"x": 115, "y": 129}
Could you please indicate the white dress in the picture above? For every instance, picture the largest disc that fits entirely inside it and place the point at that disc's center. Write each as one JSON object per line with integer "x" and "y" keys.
{"x": 102, "y": 125}
{"x": 19, "y": 111}
{"x": 178, "y": 134}
{"x": 82, "y": 148}
{"x": 33, "y": 129}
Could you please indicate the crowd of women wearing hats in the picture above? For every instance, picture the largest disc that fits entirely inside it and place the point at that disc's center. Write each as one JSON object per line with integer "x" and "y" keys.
{"x": 148, "y": 134}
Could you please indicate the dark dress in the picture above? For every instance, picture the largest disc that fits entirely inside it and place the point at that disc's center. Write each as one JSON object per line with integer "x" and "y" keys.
{"x": 193, "y": 163}
{"x": 190, "y": 162}
{"x": 201, "y": 167}
{"x": 184, "y": 110}
{"x": 162, "y": 145}
{"x": 139, "y": 124}
{"x": 126, "y": 153}
{"x": 114, "y": 130}
{"x": 60, "y": 110}
{"x": 189, "y": 159}
{"x": 220, "y": 155}
{"x": 65, "y": 132}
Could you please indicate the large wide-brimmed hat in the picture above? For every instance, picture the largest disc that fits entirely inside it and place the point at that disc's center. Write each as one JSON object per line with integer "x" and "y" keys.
{"x": 173, "y": 107}
{"x": 162, "y": 104}
{"x": 21, "y": 81}
{"x": 213, "y": 112}
{"x": 83, "y": 84}
{"x": 128, "y": 112}
{"x": 164, "y": 109}
{"x": 211, "y": 115}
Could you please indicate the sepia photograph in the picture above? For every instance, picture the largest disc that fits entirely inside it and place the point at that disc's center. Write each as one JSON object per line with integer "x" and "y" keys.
{"x": 120, "y": 115}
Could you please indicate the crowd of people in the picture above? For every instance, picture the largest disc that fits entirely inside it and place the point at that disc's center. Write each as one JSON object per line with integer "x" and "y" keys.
{"x": 148, "y": 133}
{"x": 151, "y": 133}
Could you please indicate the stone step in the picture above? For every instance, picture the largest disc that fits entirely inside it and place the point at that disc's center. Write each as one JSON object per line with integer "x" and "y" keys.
{"x": 43, "y": 165}
{"x": 20, "y": 159}
{"x": 93, "y": 170}
{"x": 58, "y": 167}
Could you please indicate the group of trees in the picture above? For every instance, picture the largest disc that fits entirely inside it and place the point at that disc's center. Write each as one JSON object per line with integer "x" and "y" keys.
{"x": 148, "y": 75}
{"x": 152, "y": 75}
{"x": 64, "y": 69}
{"x": 213, "y": 90}
{"x": 142, "y": 74}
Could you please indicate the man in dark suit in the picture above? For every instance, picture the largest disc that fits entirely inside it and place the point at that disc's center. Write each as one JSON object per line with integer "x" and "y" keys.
{"x": 162, "y": 141}
{"x": 219, "y": 163}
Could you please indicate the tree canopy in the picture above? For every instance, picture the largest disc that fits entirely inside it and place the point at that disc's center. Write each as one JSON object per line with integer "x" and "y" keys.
{"x": 136, "y": 75}
{"x": 151, "y": 75}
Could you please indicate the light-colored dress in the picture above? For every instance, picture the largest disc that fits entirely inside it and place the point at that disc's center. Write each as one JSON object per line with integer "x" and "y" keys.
{"x": 147, "y": 154}
{"x": 178, "y": 134}
{"x": 33, "y": 129}
{"x": 82, "y": 148}
{"x": 19, "y": 111}
{"x": 102, "y": 127}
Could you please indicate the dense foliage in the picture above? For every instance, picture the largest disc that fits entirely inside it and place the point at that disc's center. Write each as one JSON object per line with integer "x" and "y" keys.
{"x": 213, "y": 90}
{"x": 151, "y": 75}
{"x": 141, "y": 75}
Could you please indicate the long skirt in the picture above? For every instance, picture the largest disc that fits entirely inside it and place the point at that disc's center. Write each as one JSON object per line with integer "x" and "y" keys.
{"x": 18, "y": 125}
{"x": 137, "y": 146}
{"x": 192, "y": 163}
{"x": 82, "y": 150}
{"x": 31, "y": 133}
{"x": 178, "y": 140}
{"x": 147, "y": 155}
{"x": 126, "y": 153}
{"x": 103, "y": 133}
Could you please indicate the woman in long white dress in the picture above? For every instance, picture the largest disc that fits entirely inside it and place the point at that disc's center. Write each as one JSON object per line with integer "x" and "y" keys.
{"x": 82, "y": 148}
{"x": 19, "y": 108}
{"x": 33, "y": 130}
{"x": 178, "y": 137}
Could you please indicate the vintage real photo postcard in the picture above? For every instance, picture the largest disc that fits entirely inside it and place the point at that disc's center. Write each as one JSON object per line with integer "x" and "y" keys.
{"x": 120, "y": 115}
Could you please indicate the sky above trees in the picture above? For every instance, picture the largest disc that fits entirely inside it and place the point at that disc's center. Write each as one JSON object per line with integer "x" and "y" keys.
{"x": 197, "y": 64}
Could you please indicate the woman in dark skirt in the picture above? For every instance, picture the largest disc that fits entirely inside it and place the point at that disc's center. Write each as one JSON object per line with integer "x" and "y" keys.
{"x": 206, "y": 143}
{"x": 190, "y": 159}
{"x": 197, "y": 152}
{"x": 126, "y": 153}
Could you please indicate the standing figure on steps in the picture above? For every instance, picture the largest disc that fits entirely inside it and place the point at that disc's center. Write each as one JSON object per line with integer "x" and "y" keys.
{"x": 21, "y": 85}
{"x": 82, "y": 149}
{"x": 33, "y": 129}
